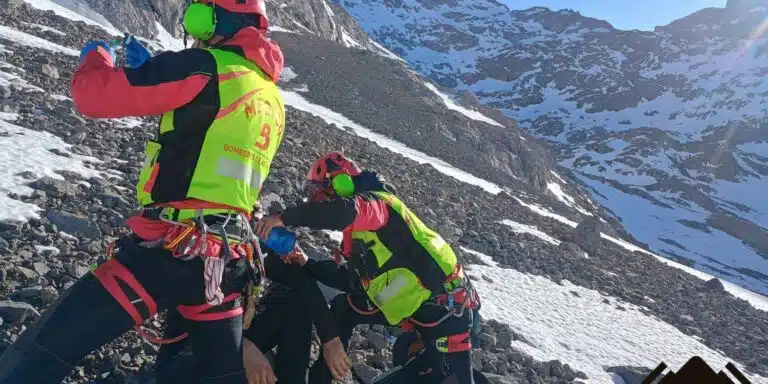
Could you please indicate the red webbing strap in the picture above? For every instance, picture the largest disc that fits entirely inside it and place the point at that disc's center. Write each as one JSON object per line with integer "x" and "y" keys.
{"x": 108, "y": 273}
{"x": 358, "y": 310}
{"x": 459, "y": 343}
{"x": 196, "y": 312}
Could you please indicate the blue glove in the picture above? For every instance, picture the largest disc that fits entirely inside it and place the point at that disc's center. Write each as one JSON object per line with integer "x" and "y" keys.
{"x": 135, "y": 53}
{"x": 95, "y": 44}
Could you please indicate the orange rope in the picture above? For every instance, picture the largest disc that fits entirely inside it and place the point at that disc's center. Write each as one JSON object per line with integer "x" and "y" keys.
{"x": 360, "y": 311}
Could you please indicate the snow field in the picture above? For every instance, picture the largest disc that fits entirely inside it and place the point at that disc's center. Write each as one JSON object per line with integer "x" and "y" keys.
{"x": 755, "y": 299}
{"x": 574, "y": 325}
{"x": 25, "y": 150}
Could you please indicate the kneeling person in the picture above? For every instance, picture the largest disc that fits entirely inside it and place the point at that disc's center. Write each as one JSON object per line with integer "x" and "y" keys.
{"x": 397, "y": 271}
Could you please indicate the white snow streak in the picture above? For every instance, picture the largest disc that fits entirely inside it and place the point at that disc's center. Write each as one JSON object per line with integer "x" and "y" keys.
{"x": 34, "y": 41}
{"x": 275, "y": 28}
{"x": 77, "y": 11}
{"x": 531, "y": 229}
{"x": 46, "y": 28}
{"x": 450, "y": 104}
{"x": 579, "y": 329}
{"x": 166, "y": 40}
{"x": 332, "y": 117}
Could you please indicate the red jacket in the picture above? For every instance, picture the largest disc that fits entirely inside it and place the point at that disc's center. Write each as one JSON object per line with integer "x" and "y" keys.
{"x": 185, "y": 82}
{"x": 166, "y": 82}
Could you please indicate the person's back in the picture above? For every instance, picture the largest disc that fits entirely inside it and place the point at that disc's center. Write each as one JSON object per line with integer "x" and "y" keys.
{"x": 222, "y": 123}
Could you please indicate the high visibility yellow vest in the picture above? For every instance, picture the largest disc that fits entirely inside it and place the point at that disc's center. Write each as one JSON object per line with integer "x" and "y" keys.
{"x": 398, "y": 292}
{"x": 228, "y": 162}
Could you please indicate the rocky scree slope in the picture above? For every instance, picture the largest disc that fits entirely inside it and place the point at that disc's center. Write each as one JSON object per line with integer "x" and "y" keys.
{"x": 671, "y": 120}
{"x": 79, "y": 219}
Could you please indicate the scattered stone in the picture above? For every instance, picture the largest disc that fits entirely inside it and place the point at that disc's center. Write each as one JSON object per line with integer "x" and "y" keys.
{"x": 366, "y": 373}
{"x": 378, "y": 341}
{"x": 505, "y": 339}
{"x": 714, "y": 285}
{"x": 587, "y": 234}
{"x": 487, "y": 340}
{"x": 77, "y": 269}
{"x": 27, "y": 273}
{"x": 16, "y": 312}
{"x": 74, "y": 224}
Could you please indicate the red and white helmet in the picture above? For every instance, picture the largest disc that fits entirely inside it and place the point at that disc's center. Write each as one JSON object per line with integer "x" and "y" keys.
{"x": 252, "y": 7}
{"x": 317, "y": 185}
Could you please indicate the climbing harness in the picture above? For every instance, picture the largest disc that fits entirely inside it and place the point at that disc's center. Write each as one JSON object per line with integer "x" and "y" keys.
{"x": 230, "y": 237}
{"x": 458, "y": 290}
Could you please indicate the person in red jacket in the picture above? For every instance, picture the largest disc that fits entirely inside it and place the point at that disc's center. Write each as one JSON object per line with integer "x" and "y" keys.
{"x": 191, "y": 248}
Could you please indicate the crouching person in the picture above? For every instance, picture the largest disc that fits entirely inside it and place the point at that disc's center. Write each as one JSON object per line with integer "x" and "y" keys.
{"x": 396, "y": 271}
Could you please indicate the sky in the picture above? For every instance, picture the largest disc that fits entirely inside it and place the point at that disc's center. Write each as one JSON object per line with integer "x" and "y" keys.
{"x": 623, "y": 14}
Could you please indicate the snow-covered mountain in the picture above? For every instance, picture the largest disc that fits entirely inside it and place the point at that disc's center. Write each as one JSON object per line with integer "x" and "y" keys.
{"x": 566, "y": 296}
{"x": 669, "y": 128}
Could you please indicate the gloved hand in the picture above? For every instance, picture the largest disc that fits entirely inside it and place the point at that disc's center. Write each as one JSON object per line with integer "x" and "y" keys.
{"x": 95, "y": 44}
{"x": 135, "y": 53}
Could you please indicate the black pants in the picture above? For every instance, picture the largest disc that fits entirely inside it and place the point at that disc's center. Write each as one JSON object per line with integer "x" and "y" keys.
{"x": 86, "y": 317}
{"x": 441, "y": 365}
{"x": 285, "y": 323}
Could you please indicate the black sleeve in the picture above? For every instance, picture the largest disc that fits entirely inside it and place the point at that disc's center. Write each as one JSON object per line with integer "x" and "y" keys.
{"x": 336, "y": 214}
{"x": 330, "y": 274}
{"x": 307, "y": 289}
{"x": 171, "y": 66}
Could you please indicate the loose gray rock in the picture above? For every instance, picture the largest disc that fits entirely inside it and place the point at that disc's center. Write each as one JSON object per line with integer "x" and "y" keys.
{"x": 587, "y": 235}
{"x": 366, "y": 373}
{"x": 378, "y": 340}
{"x": 50, "y": 71}
{"x": 15, "y": 311}
{"x": 75, "y": 225}
{"x": 77, "y": 269}
{"x": 487, "y": 340}
{"x": 714, "y": 285}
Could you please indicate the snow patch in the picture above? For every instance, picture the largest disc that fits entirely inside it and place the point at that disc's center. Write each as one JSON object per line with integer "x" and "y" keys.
{"x": 335, "y": 235}
{"x": 7, "y": 78}
{"x": 166, "y": 40}
{"x": 25, "y": 150}
{"x": 77, "y": 11}
{"x": 387, "y": 53}
{"x": 757, "y": 300}
{"x": 46, "y": 28}
{"x": 275, "y": 28}
{"x": 582, "y": 331}
{"x": 44, "y": 249}
{"x": 348, "y": 40}
{"x": 557, "y": 190}
{"x": 332, "y": 117}
{"x": 533, "y": 230}
{"x": 34, "y": 41}
{"x": 288, "y": 74}
{"x": 450, "y": 104}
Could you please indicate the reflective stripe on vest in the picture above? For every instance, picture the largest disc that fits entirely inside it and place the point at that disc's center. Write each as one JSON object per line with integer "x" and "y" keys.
{"x": 399, "y": 292}
{"x": 239, "y": 145}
